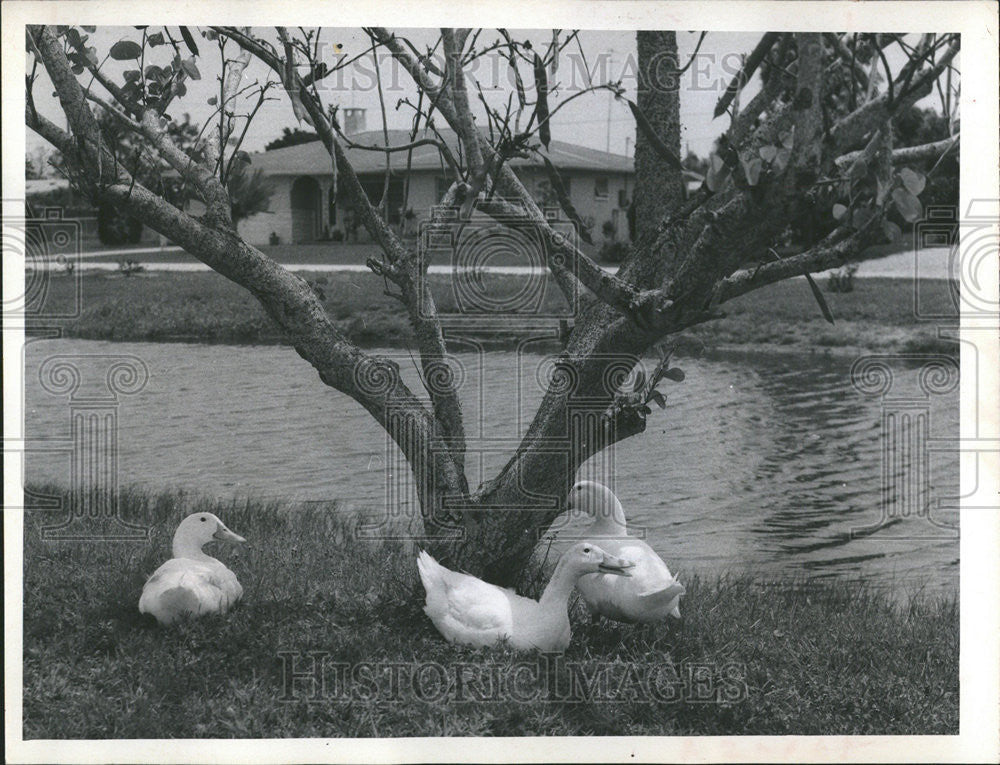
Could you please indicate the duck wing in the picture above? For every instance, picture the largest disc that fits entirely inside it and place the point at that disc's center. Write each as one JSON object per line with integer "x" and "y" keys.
{"x": 665, "y": 601}
{"x": 464, "y": 609}
{"x": 649, "y": 594}
{"x": 184, "y": 587}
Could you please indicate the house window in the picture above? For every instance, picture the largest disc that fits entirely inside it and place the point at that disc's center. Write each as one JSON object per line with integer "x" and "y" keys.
{"x": 601, "y": 188}
{"x": 545, "y": 195}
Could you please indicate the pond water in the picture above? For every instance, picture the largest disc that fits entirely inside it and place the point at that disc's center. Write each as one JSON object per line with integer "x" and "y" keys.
{"x": 770, "y": 465}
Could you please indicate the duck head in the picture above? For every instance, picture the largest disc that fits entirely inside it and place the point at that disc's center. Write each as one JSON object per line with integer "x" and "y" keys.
{"x": 599, "y": 502}
{"x": 587, "y": 558}
{"x": 197, "y": 530}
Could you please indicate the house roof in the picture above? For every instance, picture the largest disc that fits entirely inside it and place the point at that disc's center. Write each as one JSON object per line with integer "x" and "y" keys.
{"x": 312, "y": 159}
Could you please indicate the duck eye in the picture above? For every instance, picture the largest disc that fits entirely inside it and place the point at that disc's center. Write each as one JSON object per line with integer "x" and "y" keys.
{"x": 203, "y": 519}
{"x": 586, "y": 549}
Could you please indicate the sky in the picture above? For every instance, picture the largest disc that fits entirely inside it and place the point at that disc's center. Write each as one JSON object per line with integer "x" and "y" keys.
{"x": 594, "y": 120}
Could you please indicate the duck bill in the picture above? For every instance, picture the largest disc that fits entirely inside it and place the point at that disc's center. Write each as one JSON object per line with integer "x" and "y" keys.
{"x": 225, "y": 535}
{"x": 616, "y": 566}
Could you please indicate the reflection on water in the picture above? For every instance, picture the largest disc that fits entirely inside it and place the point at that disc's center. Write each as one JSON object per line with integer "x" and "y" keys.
{"x": 763, "y": 464}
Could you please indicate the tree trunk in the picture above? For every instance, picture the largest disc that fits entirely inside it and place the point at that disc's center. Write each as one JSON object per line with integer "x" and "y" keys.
{"x": 509, "y": 515}
{"x": 659, "y": 188}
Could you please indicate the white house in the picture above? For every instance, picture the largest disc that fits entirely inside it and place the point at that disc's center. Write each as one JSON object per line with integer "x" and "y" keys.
{"x": 303, "y": 209}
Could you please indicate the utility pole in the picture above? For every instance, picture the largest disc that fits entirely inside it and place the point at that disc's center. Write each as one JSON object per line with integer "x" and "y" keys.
{"x": 611, "y": 100}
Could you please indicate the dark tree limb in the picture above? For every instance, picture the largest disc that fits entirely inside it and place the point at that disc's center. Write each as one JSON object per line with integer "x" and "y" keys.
{"x": 918, "y": 153}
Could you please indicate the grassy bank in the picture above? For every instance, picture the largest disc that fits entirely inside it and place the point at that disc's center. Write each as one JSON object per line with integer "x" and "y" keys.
{"x": 205, "y": 307}
{"x": 747, "y": 658}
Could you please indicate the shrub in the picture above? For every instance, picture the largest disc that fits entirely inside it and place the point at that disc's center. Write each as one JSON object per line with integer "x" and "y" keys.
{"x": 115, "y": 228}
{"x": 842, "y": 280}
{"x": 614, "y": 252}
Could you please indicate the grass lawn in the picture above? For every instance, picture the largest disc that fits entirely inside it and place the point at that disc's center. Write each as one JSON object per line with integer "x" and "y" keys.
{"x": 338, "y": 253}
{"x": 205, "y": 307}
{"x": 747, "y": 658}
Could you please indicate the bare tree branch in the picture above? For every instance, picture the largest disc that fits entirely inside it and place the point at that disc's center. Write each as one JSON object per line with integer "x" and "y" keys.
{"x": 454, "y": 84}
{"x": 851, "y": 130}
{"x": 404, "y": 266}
{"x": 841, "y": 249}
{"x": 919, "y": 153}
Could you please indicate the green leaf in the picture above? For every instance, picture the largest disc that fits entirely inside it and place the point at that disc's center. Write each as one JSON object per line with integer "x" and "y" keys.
{"x": 191, "y": 69}
{"x": 787, "y": 138}
{"x": 881, "y": 189}
{"x": 655, "y": 141}
{"x": 89, "y": 30}
{"x": 862, "y": 217}
{"x": 189, "y": 41}
{"x": 675, "y": 373}
{"x": 751, "y": 169}
{"x": 819, "y": 299}
{"x": 155, "y": 39}
{"x": 746, "y": 72}
{"x": 768, "y": 153}
{"x": 907, "y": 204}
{"x": 542, "y": 102}
{"x": 839, "y": 211}
{"x": 781, "y": 159}
{"x": 132, "y": 75}
{"x": 125, "y": 50}
{"x": 913, "y": 181}
{"x": 892, "y": 232}
{"x": 718, "y": 173}
{"x": 656, "y": 396}
{"x": 213, "y": 100}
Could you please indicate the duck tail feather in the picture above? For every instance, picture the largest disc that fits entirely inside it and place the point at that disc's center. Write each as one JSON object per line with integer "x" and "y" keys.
{"x": 431, "y": 572}
{"x": 661, "y": 598}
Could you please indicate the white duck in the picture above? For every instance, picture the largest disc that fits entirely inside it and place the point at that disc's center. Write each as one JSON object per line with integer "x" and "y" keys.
{"x": 469, "y": 611}
{"x": 192, "y": 583}
{"x": 651, "y": 593}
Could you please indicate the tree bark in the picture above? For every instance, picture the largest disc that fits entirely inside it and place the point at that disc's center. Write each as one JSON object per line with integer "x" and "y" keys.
{"x": 659, "y": 188}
